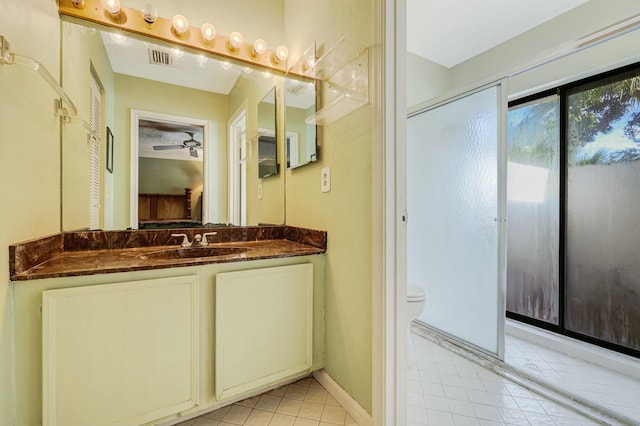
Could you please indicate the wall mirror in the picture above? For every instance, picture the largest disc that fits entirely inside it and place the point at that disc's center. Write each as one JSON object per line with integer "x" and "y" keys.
{"x": 201, "y": 115}
{"x": 267, "y": 135}
{"x": 301, "y": 140}
{"x": 301, "y": 106}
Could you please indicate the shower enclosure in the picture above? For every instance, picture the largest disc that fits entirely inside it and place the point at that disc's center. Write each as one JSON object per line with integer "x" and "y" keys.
{"x": 456, "y": 202}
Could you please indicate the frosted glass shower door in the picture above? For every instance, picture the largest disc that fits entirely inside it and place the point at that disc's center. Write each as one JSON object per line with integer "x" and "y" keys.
{"x": 456, "y": 204}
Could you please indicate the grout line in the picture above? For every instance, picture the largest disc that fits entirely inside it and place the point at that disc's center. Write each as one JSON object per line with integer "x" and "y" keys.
{"x": 585, "y": 408}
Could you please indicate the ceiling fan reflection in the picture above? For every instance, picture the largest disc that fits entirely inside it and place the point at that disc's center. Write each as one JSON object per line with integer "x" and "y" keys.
{"x": 190, "y": 144}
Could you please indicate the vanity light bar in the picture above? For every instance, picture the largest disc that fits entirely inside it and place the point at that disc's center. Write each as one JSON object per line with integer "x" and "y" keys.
{"x": 175, "y": 31}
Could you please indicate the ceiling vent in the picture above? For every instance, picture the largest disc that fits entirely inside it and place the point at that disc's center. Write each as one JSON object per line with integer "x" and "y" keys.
{"x": 159, "y": 57}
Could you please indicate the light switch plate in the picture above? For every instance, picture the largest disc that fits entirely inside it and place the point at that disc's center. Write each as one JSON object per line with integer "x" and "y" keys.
{"x": 260, "y": 191}
{"x": 325, "y": 179}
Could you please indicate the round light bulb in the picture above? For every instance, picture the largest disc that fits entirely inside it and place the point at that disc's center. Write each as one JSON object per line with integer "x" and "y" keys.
{"x": 149, "y": 13}
{"x": 259, "y": 47}
{"x": 180, "y": 24}
{"x": 111, "y": 6}
{"x": 281, "y": 54}
{"x": 208, "y": 32}
{"x": 78, "y": 4}
{"x": 236, "y": 40}
{"x": 225, "y": 65}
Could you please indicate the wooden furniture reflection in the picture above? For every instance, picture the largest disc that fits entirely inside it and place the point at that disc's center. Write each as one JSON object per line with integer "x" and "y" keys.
{"x": 159, "y": 207}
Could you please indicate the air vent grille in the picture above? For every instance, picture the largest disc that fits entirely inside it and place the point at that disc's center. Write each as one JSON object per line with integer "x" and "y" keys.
{"x": 159, "y": 57}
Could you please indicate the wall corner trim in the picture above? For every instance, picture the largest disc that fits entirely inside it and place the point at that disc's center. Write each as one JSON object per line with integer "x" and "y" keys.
{"x": 354, "y": 409}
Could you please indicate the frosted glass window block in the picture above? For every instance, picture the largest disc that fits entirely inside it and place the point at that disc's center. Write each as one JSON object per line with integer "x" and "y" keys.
{"x": 452, "y": 184}
{"x": 533, "y": 209}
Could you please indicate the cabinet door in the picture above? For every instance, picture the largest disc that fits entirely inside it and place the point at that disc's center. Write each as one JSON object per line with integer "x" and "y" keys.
{"x": 120, "y": 354}
{"x": 263, "y": 327}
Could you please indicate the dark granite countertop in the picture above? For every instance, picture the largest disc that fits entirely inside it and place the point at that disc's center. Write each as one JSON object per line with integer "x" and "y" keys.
{"x": 98, "y": 252}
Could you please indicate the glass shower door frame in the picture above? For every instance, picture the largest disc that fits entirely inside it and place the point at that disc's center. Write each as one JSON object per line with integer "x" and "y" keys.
{"x": 501, "y": 208}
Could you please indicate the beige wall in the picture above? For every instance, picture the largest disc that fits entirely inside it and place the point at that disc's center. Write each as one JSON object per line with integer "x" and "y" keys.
{"x": 29, "y": 156}
{"x": 147, "y": 95}
{"x": 345, "y": 212}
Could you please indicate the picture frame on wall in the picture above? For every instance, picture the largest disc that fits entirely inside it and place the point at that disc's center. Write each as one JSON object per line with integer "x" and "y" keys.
{"x": 109, "y": 150}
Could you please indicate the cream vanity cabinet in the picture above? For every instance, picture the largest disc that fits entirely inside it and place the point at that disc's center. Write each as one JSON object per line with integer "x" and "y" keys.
{"x": 264, "y": 326}
{"x": 123, "y": 353}
{"x": 149, "y": 346}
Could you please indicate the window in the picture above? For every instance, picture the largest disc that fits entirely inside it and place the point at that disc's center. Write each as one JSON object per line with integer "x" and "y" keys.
{"x": 533, "y": 183}
{"x": 574, "y": 210}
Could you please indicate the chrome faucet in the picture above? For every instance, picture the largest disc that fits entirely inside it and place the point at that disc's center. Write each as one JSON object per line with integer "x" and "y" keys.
{"x": 185, "y": 239}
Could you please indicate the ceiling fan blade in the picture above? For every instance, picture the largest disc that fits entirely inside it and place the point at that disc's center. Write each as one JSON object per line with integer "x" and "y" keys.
{"x": 194, "y": 152}
{"x": 165, "y": 147}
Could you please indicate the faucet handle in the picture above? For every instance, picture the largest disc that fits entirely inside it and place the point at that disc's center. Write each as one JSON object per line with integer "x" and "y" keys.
{"x": 185, "y": 239}
{"x": 204, "y": 237}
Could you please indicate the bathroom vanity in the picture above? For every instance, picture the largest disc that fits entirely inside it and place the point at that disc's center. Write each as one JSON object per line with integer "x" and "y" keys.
{"x": 129, "y": 327}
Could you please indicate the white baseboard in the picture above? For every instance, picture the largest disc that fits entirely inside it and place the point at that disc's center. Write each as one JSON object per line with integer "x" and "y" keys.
{"x": 615, "y": 361}
{"x": 354, "y": 409}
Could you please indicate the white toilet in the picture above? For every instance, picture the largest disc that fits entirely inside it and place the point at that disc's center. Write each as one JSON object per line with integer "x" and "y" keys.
{"x": 415, "y": 304}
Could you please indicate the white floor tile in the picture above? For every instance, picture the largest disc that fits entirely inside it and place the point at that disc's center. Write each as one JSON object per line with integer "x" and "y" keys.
{"x": 439, "y": 418}
{"x": 486, "y": 412}
{"x": 465, "y": 421}
{"x": 436, "y": 403}
{"x": 459, "y": 392}
{"x": 417, "y": 415}
{"x": 599, "y": 385}
{"x": 304, "y": 403}
{"x": 454, "y": 392}
{"x": 462, "y": 408}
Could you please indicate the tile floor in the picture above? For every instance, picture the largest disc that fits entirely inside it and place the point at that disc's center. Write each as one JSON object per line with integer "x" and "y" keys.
{"x": 447, "y": 389}
{"x": 303, "y": 403}
{"x": 612, "y": 390}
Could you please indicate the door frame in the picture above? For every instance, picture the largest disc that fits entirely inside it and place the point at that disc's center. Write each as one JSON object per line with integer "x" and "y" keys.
{"x": 389, "y": 292}
{"x": 136, "y": 116}
{"x": 237, "y": 183}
